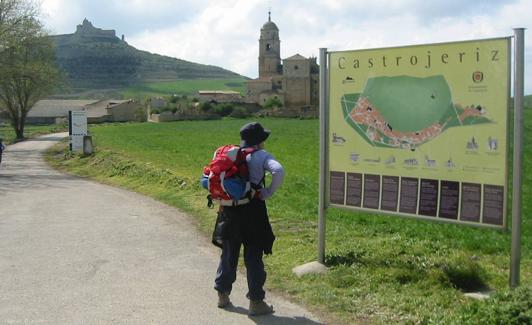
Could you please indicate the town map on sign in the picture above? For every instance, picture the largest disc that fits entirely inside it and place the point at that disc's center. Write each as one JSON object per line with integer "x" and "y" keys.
{"x": 405, "y": 112}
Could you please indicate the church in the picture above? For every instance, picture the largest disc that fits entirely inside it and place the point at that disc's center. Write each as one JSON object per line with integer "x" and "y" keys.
{"x": 294, "y": 81}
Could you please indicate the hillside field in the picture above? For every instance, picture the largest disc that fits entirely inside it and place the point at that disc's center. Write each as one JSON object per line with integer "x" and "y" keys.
{"x": 382, "y": 269}
{"x": 183, "y": 87}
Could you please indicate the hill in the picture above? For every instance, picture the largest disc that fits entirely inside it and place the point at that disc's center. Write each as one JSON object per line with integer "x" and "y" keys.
{"x": 93, "y": 58}
{"x": 528, "y": 101}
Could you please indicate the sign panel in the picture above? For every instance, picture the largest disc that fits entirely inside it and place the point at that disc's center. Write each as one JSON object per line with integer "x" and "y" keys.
{"x": 421, "y": 130}
{"x": 77, "y": 129}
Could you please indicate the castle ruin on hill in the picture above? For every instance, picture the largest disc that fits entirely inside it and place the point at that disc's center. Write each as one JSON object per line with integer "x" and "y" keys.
{"x": 86, "y": 29}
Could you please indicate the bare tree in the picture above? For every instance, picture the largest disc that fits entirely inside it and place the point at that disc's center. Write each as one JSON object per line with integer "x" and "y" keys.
{"x": 27, "y": 65}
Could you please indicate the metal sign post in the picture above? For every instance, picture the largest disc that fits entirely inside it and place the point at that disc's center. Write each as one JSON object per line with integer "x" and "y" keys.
{"x": 515, "y": 259}
{"x": 319, "y": 265}
{"x": 322, "y": 206}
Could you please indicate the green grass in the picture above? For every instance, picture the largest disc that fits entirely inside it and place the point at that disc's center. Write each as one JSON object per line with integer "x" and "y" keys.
{"x": 30, "y": 131}
{"x": 183, "y": 87}
{"x": 382, "y": 269}
{"x": 527, "y": 103}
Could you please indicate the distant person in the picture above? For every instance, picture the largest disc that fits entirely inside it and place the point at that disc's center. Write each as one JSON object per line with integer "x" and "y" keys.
{"x": 2, "y": 147}
{"x": 249, "y": 225}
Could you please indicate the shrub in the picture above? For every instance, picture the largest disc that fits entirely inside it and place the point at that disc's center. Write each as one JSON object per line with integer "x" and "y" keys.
{"x": 273, "y": 102}
{"x": 223, "y": 109}
{"x": 206, "y": 107}
{"x": 239, "y": 112}
{"x": 141, "y": 115}
{"x": 167, "y": 108}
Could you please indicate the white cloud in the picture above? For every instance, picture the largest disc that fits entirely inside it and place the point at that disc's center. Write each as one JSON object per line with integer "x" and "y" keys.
{"x": 57, "y": 15}
{"x": 226, "y": 32}
{"x": 219, "y": 35}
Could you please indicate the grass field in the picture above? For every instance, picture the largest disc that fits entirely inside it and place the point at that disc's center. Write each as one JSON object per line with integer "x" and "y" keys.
{"x": 382, "y": 269}
{"x": 183, "y": 87}
{"x": 8, "y": 134}
{"x": 527, "y": 102}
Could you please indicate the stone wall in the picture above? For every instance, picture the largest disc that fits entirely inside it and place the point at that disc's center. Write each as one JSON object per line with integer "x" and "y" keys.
{"x": 263, "y": 98}
{"x": 290, "y": 112}
{"x": 296, "y": 68}
{"x": 297, "y": 91}
{"x": 125, "y": 112}
{"x": 256, "y": 87}
{"x": 169, "y": 117}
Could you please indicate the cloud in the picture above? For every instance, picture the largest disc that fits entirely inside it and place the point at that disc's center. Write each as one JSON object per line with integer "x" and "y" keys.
{"x": 226, "y": 32}
{"x": 218, "y": 35}
{"x": 128, "y": 17}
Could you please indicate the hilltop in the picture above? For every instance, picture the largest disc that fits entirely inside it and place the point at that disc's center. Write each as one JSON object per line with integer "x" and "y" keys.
{"x": 93, "y": 58}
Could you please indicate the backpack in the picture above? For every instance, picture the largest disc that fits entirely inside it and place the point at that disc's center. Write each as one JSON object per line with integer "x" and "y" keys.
{"x": 227, "y": 176}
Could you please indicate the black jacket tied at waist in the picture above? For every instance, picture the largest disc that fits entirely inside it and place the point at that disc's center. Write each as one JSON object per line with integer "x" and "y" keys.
{"x": 250, "y": 224}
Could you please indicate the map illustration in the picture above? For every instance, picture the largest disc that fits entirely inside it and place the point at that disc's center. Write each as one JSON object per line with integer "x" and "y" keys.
{"x": 405, "y": 112}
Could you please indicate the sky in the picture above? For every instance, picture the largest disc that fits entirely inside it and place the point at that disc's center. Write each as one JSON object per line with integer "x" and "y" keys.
{"x": 226, "y": 32}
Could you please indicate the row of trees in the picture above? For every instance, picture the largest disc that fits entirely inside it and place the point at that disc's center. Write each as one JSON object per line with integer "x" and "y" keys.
{"x": 27, "y": 65}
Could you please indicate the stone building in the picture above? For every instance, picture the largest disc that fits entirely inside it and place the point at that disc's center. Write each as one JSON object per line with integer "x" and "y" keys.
{"x": 86, "y": 29}
{"x": 125, "y": 111}
{"x": 219, "y": 96}
{"x": 294, "y": 80}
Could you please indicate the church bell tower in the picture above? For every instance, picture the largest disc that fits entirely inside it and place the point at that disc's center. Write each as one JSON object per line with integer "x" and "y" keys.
{"x": 269, "y": 50}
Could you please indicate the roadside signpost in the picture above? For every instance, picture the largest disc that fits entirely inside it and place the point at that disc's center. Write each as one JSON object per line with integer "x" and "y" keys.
{"x": 422, "y": 132}
{"x": 77, "y": 129}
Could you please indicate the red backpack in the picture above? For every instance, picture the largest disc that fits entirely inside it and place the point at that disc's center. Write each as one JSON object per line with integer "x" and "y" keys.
{"x": 227, "y": 176}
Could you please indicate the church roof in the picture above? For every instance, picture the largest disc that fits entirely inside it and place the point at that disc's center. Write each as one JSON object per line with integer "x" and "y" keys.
{"x": 270, "y": 24}
{"x": 296, "y": 57}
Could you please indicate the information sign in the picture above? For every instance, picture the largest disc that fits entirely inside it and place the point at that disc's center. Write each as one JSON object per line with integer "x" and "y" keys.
{"x": 421, "y": 131}
{"x": 77, "y": 129}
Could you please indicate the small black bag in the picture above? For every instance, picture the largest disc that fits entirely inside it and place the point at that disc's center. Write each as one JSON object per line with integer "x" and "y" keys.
{"x": 219, "y": 229}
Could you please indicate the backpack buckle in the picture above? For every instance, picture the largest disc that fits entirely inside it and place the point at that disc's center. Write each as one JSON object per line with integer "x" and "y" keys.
{"x": 210, "y": 204}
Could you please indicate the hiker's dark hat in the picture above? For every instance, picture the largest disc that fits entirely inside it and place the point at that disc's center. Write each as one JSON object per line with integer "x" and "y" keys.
{"x": 252, "y": 134}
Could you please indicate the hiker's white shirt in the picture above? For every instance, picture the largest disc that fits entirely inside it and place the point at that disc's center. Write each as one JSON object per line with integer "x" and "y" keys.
{"x": 259, "y": 162}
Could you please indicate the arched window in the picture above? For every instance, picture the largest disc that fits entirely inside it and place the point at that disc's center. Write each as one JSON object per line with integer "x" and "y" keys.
{"x": 268, "y": 47}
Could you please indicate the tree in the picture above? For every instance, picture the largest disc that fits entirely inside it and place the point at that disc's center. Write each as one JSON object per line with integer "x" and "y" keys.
{"x": 27, "y": 66}
{"x": 206, "y": 107}
{"x": 13, "y": 14}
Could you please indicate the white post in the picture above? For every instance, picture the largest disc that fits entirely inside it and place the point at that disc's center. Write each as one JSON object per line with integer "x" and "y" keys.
{"x": 515, "y": 259}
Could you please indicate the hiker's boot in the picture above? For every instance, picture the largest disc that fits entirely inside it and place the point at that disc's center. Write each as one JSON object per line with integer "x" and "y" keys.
{"x": 259, "y": 307}
{"x": 223, "y": 300}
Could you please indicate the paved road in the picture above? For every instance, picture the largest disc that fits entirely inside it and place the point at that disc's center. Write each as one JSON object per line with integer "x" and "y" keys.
{"x": 74, "y": 251}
